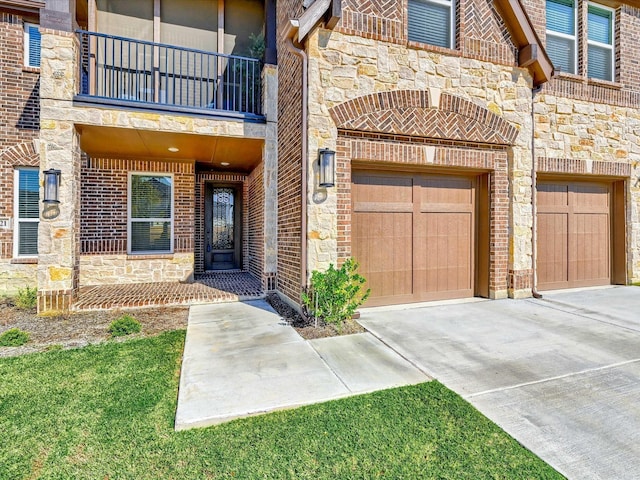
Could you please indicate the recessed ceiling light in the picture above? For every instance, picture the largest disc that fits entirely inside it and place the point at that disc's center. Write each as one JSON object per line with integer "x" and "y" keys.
{"x": 224, "y": 164}
{"x": 173, "y": 149}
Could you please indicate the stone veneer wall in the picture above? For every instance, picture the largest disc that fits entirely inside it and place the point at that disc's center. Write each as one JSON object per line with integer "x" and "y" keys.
{"x": 351, "y": 67}
{"x": 19, "y": 125}
{"x": 585, "y": 139}
{"x": 103, "y": 223}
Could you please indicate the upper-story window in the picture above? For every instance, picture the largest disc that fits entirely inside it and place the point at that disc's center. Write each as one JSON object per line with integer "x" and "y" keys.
{"x": 561, "y": 34}
{"x": 31, "y": 45}
{"x": 563, "y": 45}
{"x": 432, "y": 22}
{"x": 600, "y": 28}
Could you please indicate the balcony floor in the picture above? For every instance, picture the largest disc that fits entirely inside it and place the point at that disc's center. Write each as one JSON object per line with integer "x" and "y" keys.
{"x": 215, "y": 287}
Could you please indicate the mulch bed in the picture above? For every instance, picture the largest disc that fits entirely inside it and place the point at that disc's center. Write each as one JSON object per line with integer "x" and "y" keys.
{"x": 78, "y": 329}
{"x": 306, "y": 327}
{"x": 82, "y": 328}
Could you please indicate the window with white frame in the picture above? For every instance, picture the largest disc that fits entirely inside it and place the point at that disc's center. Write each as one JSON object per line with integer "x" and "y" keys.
{"x": 432, "y": 22}
{"x": 600, "y": 34}
{"x": 561, "y": 34}
{"x": 150, "y": 209}
{"x": 31, "y": 45}
{"x": 26, "y": 212}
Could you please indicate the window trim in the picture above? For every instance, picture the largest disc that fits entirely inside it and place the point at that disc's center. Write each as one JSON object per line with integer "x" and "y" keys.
{"x": 130, "y": 219}
{"x": 611, "y": 46}
{"x": 573, "y": 37}
{"x": 16, "y": 212}
{"x": 452, "y": 4}
{"x": 27, "y": 44}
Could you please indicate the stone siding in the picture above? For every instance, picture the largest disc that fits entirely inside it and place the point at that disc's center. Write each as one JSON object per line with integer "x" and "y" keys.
{"x": 349, "y": 68}
{"x": 109, "y": 269}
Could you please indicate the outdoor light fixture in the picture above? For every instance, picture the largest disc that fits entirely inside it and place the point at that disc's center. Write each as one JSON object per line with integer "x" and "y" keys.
{"x": 51, "y": 186}
{"x": 327, "y": 167}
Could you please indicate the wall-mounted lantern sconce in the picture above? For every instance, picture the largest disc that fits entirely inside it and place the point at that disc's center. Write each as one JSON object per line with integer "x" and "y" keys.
{"x": 327, "y": 167}
{"x": 51, "y": 186}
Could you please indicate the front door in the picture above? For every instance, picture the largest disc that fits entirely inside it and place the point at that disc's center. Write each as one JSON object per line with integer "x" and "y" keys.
{"x": 222, "y": 228}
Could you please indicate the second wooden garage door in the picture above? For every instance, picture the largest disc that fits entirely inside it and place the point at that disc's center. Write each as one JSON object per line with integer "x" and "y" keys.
{"x": 413, "y": 236}
{"x": 573, "y": 235}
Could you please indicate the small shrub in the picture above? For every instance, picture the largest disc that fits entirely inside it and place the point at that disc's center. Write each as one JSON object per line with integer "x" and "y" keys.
{"x": 334, "y": 295}
{"x": 14, "y": 337}
{"x": 26, "y": 298}
{"x": 125, "y": 325}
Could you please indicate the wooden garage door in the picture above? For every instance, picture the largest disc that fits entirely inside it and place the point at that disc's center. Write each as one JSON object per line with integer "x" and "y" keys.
{"x": 413, "y": 236}
{"x": 573, "y": 235}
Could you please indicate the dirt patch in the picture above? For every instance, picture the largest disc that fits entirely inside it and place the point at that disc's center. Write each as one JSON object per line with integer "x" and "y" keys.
{"x": 307, "y": 328}
{"x": 82, "y": 328}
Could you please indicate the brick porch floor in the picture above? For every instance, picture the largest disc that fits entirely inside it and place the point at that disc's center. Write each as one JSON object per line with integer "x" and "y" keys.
{"x": 210, "y": 288}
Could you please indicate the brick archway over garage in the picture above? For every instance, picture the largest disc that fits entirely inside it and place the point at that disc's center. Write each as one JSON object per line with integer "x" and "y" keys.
{"x": 413, "y": 113}
{"x": 414, "y": 135}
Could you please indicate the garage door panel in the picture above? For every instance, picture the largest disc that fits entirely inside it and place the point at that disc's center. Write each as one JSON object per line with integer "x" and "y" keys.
{"x": 413, "y": 235}
{"x": 552, "y": 195}
{"x": 446, "y": 190}
{"x": 592, "y": 242}
{"x": 443, "y": 254}
{"x": 388, "y": 270}
{"x": 552, "y": 248}
{"x": 573, "y": 238}
{"x": 371, "y": 188}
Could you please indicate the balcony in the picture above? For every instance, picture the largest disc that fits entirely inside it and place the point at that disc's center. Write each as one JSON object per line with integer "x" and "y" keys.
{"x": 127, "y": 72}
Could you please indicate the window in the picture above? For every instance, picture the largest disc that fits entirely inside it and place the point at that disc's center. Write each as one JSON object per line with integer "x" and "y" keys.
{"x": 600, "y": 30}
{"x": 561, "y": 34}
{"x": 150, "y": 213}
{"x": 432, "y": 22}
{"x": 26, "y": 212}
{"x": 31, "y": 45}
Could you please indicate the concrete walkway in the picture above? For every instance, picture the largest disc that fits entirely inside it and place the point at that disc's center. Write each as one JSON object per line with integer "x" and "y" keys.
{"x": 241, "y": 359}
{"x": 560, "y": 374}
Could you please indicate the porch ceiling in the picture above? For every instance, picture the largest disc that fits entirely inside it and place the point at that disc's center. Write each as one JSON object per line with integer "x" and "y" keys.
{"x": 242, "y": 154}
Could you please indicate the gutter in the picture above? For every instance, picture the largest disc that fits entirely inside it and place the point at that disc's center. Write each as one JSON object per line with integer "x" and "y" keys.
{"x": 292, "y": 36}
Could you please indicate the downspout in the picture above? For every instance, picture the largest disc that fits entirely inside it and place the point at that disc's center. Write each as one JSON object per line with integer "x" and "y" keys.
{"x": 534, "y": 202}
{"x": 291, "y": 34}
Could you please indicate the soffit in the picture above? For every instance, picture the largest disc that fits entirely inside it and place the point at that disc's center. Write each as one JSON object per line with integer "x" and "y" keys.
{"x": 242, "y": 154}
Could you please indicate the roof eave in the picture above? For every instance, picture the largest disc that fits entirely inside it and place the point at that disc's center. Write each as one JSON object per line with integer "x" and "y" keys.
{"x": 531, "y": 53}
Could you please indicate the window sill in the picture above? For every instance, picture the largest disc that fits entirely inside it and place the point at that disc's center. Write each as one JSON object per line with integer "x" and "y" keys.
{"x": 433, "y": 48}
{"x": 572, "y": 77}
{"x": 149, "y": 256}
{"x": 604, "y": 83}
{"x": 24, "y": 261}
{"x": 28, "y": 69}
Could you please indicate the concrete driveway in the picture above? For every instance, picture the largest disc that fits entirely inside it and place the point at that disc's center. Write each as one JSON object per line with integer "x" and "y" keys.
{"x": 560, "y": 374}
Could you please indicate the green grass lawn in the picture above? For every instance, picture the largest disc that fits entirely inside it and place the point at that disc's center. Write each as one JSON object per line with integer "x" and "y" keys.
{"x": 107, "y": 411}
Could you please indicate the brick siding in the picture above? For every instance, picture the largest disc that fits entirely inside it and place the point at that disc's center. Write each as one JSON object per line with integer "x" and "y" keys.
{"x": 289, "y": 159}
{"x": 19, "y": 117}
{"x": 104, "y": 193}
{"x": 255, "y": 221}
{"x": 480, "y": 34}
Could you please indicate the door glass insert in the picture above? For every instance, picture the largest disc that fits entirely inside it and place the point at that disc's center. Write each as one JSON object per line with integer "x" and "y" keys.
{"x": 222, "y": 232}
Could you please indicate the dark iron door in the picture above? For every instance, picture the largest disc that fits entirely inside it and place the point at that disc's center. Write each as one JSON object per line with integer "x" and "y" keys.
{"x": 222, "y": 232}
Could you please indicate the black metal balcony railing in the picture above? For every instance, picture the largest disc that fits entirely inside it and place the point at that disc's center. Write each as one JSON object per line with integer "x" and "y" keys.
{"x": 125, "y": 69}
